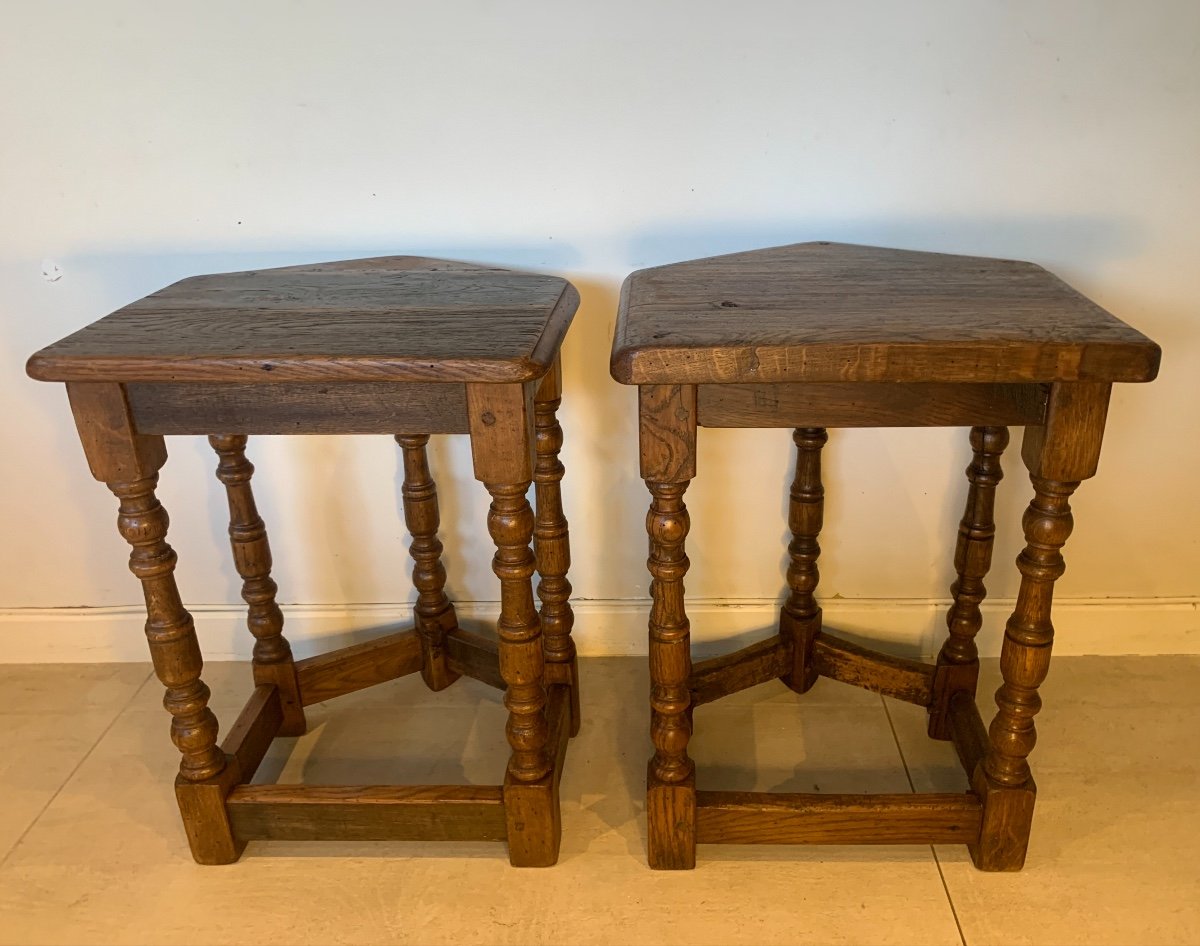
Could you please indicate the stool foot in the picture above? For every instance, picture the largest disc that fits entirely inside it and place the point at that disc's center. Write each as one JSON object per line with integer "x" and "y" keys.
{"x": 206, "y": 819}
{"x": 670, "y": 822}
{"x": 532, "y": 812}
{"x": 1007, "y": 819}
{"x": 801, "y": 633}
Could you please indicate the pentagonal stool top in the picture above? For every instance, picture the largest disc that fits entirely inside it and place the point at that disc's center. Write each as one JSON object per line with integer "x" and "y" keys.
{"x": 837, "y": 312}
{"x": 392, "y": 318}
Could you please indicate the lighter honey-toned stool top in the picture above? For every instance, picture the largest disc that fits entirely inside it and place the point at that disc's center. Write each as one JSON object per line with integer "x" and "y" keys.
{"x": 837, "y": 312}
{"x": 392, "y": 318}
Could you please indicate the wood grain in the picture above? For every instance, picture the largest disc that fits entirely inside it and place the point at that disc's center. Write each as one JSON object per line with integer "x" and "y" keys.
{"x": 532, "y": 808}
{"x": 519, "y": 629}
{"x": 671, "y": 779}
{"x": 433, "y": 613}
{"x": 670, "y": 822}
{"x": 116, "y": 452}
{"x": 367, "y": 813}
{"x": 835, "y": 312}
{"x": 765, "y": 818}
{"x": 901, "y": 679}
{"x": 552, "y": 548}
{"x": 667, "y": 432}
{"x": 474, "y": 656}
{"x": 206, "y": 818}
{"x": 1067, "y": 446}
{"x": 1007, "y": 821}
{"x": 718, "y": 677}
{"x": 369, "y": 407}
{"x": 360, "y": 666}
{"x": 273, "y": 662}
{"x": 252, "y": 732}
{"x": 958, "y": 660}
{"x": 967, "y": 732}
{"x": 870, "y": 404}
{"x": 501, "y": 421}
{"x": 367, "y": 320}
{"x": 800, "y": 616}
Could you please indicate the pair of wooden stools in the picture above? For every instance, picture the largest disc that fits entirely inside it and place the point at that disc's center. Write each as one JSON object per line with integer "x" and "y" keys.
{"x": 807, "y": 337}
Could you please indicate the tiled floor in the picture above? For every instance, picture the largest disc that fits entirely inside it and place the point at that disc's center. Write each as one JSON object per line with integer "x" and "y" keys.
{"x": 92, "y": 850}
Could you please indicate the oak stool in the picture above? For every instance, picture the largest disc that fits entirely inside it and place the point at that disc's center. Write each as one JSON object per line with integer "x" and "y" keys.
{"x": 397, "y": 345}
{"x": 820, "y": 335}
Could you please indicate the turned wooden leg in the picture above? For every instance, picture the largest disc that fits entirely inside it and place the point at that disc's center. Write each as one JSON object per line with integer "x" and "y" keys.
{"x": 204, "y": 778}
{"x": 522, "y": 665}
{"x": 958, "y": 661}
{"x": 501, "y": 419}
{"x": 1003, "y": 779}
{"x": 671, "y": 781}
{"x": 128, "y": 463}
{"x": 667, "y": 445}
{"x": 434, "y": 614}
{"x": 553, "y": 552}
{"x": 1065, "y": 450}
{"x": 800, "y": 617}
{"x": 273, "y": 663}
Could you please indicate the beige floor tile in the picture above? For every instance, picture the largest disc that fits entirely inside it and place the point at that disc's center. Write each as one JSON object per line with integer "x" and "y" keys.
{"x": 69, "y": 688}
{"x": 1112, "y": 853}
{"x": 50, "y": 716}
{"x": 108, "y": 862}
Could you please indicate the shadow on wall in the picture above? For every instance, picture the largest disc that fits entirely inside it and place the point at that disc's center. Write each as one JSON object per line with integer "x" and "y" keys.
{"x": 1051, "y": 241}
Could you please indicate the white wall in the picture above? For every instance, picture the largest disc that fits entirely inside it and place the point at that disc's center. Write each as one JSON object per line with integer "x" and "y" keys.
{"x": 143, "y": 142}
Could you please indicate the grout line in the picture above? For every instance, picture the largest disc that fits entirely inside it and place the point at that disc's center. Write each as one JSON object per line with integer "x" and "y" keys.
{"x": 932, "y": 849}
{"x": 70, "y": 775}
{"x": 896, "y": 739}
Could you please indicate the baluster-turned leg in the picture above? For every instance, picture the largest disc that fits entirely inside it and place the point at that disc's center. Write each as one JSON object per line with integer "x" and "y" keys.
{"x": 958, "y": 662}
{"x": 143, "y": 522}
{"x": 672, "y": 773}
{"x": 434, "y": 613}
{"x": 800, "y": 617}
{"x": 553, "y": 550}
{"x": 667, "y": 434}
{"x": 1059, "y": 454}
{"x": 502, "y": 447}
{"x": 273, "y": 663}
{"x": 128, "y": 463}
{"x": 522, "y": 665}
{"x": 204, "y": 778}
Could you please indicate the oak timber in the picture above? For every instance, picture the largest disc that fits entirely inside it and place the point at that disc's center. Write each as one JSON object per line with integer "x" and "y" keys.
{"x": 781, "y": 818}
{"x": 359, "y": 666}
{"x": 367, "y": 813}
{"x": 384, "y": 319}
{"x": 837, "y": 312}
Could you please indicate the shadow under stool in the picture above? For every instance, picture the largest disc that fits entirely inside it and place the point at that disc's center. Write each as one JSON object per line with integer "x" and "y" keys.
{"x": 820, "y": 335}
{"x": 398, "y": 345}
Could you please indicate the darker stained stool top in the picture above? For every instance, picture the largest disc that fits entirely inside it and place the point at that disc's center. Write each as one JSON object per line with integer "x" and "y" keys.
{"x": 837, "y": 312}
{"x": 395, "y": 318}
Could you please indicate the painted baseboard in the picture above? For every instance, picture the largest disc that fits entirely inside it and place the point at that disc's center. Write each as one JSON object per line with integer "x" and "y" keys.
{"x": 908, "y": 627}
